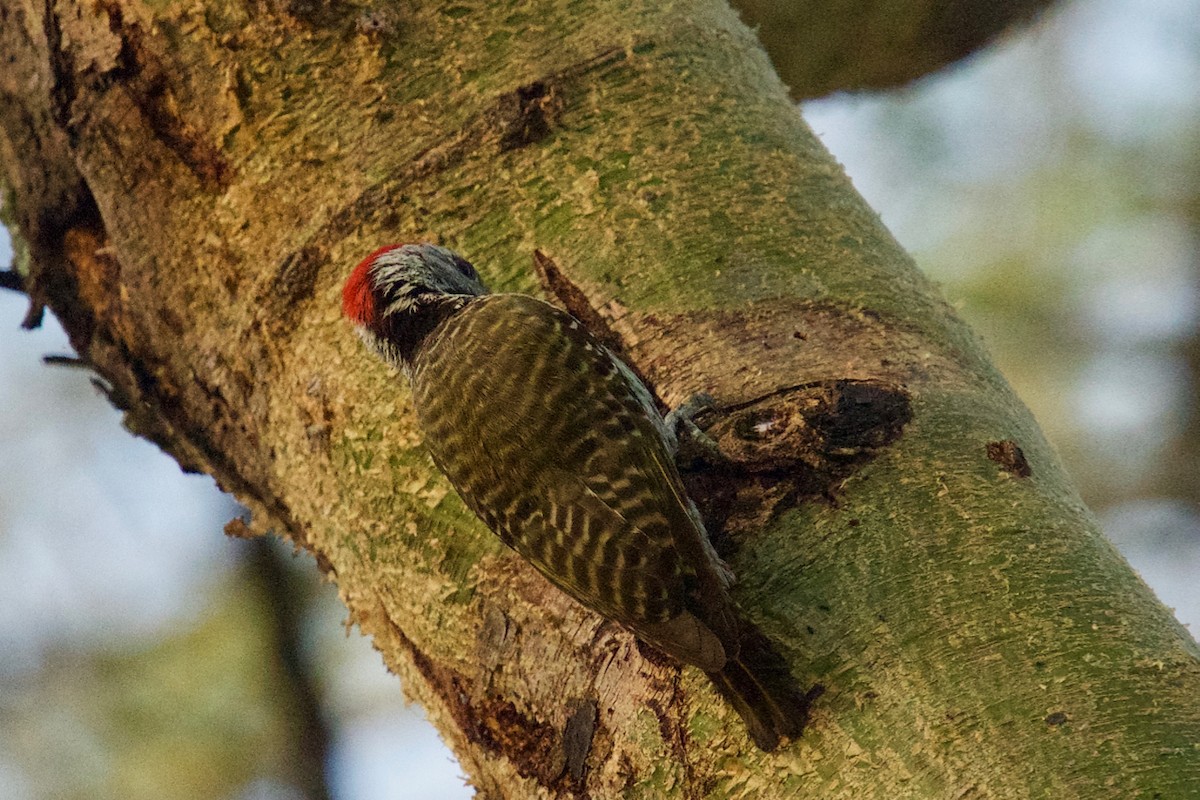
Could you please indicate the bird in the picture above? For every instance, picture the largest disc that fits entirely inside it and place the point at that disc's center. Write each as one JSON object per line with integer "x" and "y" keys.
{"x": 558, "y": 448}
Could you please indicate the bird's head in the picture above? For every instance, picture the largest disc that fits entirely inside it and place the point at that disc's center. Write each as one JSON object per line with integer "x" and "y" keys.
{"x": 399, "y": 293}
{"x": 400, "y": 278}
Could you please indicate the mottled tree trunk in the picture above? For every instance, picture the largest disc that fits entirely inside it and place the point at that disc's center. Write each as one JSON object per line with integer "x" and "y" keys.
{"x": 194, "y": 180}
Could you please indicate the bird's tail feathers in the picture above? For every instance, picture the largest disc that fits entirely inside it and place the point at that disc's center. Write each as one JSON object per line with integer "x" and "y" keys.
{"x": 760, "y": 687}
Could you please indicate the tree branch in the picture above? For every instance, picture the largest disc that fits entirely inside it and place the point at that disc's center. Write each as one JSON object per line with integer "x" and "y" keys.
{"x": 824, "y": 47}
{"x": 12, "y": 281}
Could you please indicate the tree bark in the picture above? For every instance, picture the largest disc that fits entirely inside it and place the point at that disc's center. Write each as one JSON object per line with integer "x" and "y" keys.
{"x": 194, "y": 181}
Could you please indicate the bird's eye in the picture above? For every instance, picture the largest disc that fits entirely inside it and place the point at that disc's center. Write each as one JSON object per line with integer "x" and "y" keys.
{"x": 465, "y": 268}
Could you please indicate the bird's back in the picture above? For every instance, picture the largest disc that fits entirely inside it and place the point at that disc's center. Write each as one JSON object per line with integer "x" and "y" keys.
{"x": 557, "y": 450}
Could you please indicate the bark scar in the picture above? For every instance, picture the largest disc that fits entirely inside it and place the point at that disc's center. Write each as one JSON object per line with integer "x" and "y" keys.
{"x": 62, "y": 69}
{"x": 574, "y": 301}
{"x": 294, "y": 283}
{"x": 148, "y": 84}
{"x": 527, "y": 114}
{"x": 794, "y": 443}
{"x": 1009, "y": 455}
{"x": 577, "y": 738}
{"x": 533, "y": 746}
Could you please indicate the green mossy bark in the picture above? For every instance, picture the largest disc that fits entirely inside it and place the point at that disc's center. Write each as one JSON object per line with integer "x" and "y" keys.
{"x": 976, "y": 634}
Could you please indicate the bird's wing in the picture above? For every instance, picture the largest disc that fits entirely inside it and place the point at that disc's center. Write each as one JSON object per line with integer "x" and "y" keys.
{"x": 616, "y": 567}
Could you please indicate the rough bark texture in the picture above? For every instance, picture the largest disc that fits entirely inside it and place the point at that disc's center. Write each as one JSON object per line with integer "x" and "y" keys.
{"x": 195, "y": 180}
{"x": 823, "y": 46}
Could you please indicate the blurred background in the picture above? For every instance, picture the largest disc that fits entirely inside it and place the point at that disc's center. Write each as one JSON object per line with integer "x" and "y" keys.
{"x": 1051, "y": 185}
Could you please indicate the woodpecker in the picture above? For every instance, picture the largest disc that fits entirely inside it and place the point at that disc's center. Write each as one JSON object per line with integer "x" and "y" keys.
{"x": 556, "y": 445}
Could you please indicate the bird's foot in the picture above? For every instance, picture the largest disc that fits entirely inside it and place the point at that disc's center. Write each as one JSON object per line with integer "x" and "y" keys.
{"x": 692, "y": 446}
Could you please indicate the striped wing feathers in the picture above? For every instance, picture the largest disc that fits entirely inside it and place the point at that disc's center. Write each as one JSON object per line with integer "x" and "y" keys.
{"x": 549, "y": 444}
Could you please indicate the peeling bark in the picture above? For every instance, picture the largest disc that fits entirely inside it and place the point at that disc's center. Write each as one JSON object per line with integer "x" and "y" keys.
{"x": 194, "y": 181}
